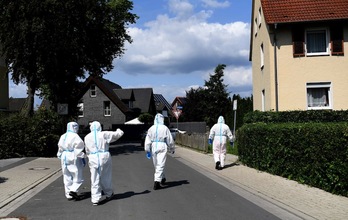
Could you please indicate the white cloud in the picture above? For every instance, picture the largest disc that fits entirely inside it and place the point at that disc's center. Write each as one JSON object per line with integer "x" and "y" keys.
{"x": 181, "y": 8}
{"x": 174, "y": 46}
{"x": 17, "y": 91}
{"x": 216, "y": 4}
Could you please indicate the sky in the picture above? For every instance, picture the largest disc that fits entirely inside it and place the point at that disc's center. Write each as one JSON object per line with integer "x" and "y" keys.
{"x": 178, "y": 43}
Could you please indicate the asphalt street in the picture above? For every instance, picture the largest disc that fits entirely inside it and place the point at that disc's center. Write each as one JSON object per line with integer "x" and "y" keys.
{"x": 188, "y": 194}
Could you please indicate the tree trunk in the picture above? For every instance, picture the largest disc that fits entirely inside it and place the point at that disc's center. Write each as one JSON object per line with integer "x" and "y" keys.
{"x": 29, "y": 108}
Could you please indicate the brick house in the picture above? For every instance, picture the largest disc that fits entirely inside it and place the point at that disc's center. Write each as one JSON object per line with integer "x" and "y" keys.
{"x": 108, "y": 103}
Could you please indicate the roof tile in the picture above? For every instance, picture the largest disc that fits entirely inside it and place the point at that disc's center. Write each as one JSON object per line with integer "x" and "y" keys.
{"x": 288, "y": 11}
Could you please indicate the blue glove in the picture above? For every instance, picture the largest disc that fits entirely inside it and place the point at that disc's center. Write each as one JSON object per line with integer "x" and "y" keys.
{"x": 83, "y": 162}
{"x": 148, "y": 154}
{"x": 210, "y": 141}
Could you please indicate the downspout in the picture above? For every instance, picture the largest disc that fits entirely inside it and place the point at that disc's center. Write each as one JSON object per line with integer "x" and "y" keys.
{"x": 275, "y": 66}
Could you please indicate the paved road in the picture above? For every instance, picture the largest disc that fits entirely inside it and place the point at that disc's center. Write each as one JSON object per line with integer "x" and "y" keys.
{"x": 187, "y": 195}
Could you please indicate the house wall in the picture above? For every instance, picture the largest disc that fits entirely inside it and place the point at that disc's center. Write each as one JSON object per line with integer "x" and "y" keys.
{"x": 94, "y": 111}
{"x": 4, "y": 87}
{"x": 263, "y": 78}
{"x": 293, "y": 73}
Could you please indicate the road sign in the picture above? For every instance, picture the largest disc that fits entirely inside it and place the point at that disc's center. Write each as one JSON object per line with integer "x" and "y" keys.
{"x": 177, "y": 113}
{"x": 235, "y": 104}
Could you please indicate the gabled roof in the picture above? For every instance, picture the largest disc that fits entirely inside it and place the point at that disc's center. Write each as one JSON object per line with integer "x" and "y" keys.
{"x": 142, "y": 97}
{"x": 290, "y": 11}
{"x": 107, "y": 88}
{"x": 181, "y": 100}
{"x": 161, "y": 102}
{"x": 125, "y": 94}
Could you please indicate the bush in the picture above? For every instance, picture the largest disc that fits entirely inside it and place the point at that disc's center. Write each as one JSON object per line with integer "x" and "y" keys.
{"x": 312, "y": 153}
{"x": 30, "y": 137}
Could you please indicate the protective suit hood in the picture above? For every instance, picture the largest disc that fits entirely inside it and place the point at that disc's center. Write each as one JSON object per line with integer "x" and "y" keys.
{"x": 72, "y": 127}
{"x": 221, "y": 120}
{"x": 95, "y": 126}
{"x": 159, "y": 119}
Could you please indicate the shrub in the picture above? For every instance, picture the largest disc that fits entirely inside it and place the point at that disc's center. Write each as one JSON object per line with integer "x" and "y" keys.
{"x": 30, "y": 137}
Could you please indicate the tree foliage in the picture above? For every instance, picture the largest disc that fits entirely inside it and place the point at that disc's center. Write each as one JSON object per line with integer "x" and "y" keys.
{"x": 211, "y": 101}
{"x": 50, "y": 45}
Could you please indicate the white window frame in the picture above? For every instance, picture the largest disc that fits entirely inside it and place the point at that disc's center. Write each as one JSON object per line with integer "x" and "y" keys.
{"x": 259, "y": 18}
{"x": 320, "y": 85}
{"x": 93, "y": 90}
{"x": 107, "y": 108}
{"x": 256, "y": 26}
{"x": 262, "y": 56}
{"x": 263, "y": 100}
{"x": 81, "y": 112}
{"x": 327, "y": 41}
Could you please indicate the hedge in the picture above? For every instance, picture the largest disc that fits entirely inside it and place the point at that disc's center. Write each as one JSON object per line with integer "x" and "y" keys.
{"x": 30, "y": 137}
{"x": 312, "y": 153}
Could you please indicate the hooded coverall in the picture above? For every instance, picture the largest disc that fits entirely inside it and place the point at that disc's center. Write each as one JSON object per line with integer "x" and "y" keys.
{"x": 219, "y": 133}
{"x": 70, "y": 152}
{"x": 99, "y": 160}
{"x": 159, "y": 141}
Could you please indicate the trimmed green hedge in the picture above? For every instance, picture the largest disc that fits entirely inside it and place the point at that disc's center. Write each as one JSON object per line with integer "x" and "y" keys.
{"x": 312, "y": 153}
{"x": 296, "y": 116}
{"x": 30, "y": 137}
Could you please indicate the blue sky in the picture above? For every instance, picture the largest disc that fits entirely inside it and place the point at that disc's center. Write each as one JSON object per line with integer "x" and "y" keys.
{"x": 178, "y": 43}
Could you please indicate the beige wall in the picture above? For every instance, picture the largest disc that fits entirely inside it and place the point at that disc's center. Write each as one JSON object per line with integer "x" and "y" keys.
{"x": 263, "y": 78}
{"x": 294, "y": 73}
{"x": 4, "y": 92}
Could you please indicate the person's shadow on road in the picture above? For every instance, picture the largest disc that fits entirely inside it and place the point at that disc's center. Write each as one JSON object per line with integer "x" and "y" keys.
{"x": 174, "y": 184}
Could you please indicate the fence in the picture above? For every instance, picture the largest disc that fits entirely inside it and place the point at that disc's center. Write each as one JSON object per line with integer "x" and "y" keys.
{"x": 198, "y": 141}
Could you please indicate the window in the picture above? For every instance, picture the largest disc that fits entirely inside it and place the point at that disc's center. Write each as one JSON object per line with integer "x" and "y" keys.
{"x": 317, "y": 42}
{"x": 319, "y": 96}
{"x": 259, "y": 17}
{"x": 107, "y": 108}
{"x": 130, "y": 104}
{"x": 80, "y": 109}
{"x": 263, "y": 100}
{"x": 93, "y": 91}
{"x": 262, "y": 56}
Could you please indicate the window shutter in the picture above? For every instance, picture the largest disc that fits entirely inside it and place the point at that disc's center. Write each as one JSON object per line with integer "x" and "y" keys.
{"x": 337, "y": 40}
{"x": 298, "y": 42}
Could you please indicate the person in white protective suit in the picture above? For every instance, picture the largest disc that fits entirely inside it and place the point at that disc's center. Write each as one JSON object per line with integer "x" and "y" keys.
{"x": 70, "y": 152}
{"x": 218, "y": 136}
{"x": 99, "y": 160}
{"x": 158, "y": 142}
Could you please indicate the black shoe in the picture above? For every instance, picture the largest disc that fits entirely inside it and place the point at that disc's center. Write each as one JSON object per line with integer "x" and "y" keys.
{"x": 157, "y": 185}
{"x": 217, "y": 165}
{"x": 108, "y": 198}
{"x": 74, "y": 195}
{"x": 163, "y": 181}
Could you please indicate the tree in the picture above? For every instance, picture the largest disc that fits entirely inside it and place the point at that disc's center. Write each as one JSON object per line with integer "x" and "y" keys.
{"x": 208, "y": 103}
{"x": 50, "y": 45}
{"x": 217, "y": 96}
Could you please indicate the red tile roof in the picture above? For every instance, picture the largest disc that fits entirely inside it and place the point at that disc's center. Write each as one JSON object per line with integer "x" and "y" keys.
{"x": 287, "y": 11}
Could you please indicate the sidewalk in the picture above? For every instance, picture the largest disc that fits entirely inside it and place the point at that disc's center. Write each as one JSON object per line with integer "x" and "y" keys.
{"x": 263, "y": 189}
{"x": 302, "y": 200}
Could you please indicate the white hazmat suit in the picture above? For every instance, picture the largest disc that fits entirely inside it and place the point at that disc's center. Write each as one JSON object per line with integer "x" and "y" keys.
{"x": 159, "y": 141}
{"x": 99, "y": 160}
{"x": 219, "y": 134}
{"x": 70, "y": 152}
